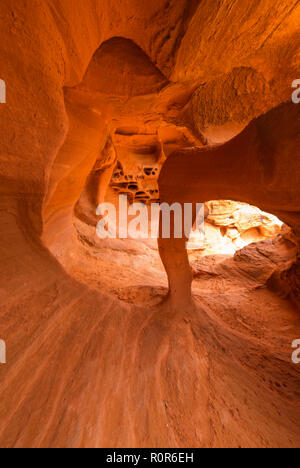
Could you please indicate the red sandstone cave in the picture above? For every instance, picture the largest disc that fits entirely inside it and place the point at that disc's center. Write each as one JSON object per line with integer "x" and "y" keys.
{"x": 143, "y": 343}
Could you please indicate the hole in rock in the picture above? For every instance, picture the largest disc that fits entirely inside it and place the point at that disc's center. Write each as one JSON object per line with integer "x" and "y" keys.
{"x": 132, "y": 269}
{"x": 133, "y": 187}
{"x": 230, "y": 226}
{"x": 128, "y": 164}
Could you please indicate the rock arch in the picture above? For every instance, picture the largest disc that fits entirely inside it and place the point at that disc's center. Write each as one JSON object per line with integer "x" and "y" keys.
{"x": 257, "y": 167}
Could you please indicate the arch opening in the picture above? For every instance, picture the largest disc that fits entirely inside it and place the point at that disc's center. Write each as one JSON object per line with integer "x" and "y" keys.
{"x": 229, "y": 226}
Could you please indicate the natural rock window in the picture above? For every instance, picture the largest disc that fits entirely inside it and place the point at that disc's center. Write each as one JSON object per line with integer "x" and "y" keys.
{"x": 231, "y": 226}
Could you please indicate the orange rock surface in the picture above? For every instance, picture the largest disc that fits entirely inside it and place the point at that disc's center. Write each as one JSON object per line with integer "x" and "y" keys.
{"x": 103, "y": 351}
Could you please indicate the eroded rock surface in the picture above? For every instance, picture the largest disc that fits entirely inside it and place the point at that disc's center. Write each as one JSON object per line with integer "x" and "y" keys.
{"x": 99, "y": 96}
